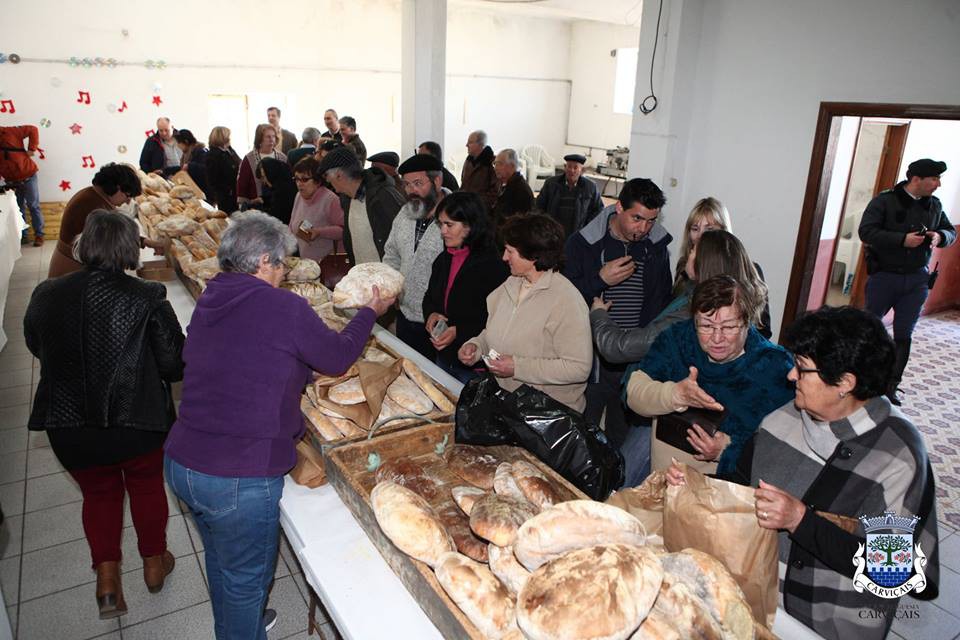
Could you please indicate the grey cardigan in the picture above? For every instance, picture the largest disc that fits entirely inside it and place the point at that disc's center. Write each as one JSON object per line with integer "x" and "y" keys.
{"x": 617, "y": 345}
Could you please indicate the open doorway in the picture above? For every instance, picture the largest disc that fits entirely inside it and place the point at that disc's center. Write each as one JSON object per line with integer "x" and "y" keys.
{"x": 861, "y": 149}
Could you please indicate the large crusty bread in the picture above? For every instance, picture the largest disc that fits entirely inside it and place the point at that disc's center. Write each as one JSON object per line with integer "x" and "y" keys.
{"x": 504, "y": 565}
{"x": 426, "y": 385}
{"x": 478, "y": 593}
{"x": 457, "y": 525}
{"x": 574, "y": 525}
{"x": 408, "y": 395}
{"x": 466, "y": 496}
{"x": 687, "y": 614}
{"x": 710, "y": 581}
{"x": 474, "y": 464}
{"x": 356, "y": 288}
{"x": 410, "y": 523}
{"x": 602, "y": 592}
{"x": 505, "y": 484}
{"x": 348, "y": 392}
{"x": 534, "y": 484}
{"x": 322, "y": 423}
{"x": 410, "y": 474}
{"x": 496, "y": 518}
{"x": 656, "y": 626}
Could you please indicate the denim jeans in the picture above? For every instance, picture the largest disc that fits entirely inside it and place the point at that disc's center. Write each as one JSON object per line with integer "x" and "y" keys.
{"x": 239, "y": 522}
{"x": 905, "y": 293}
{"x": 28, "y": 197}
{"x": 460, "y": 372}
{"x": 636, "y": 455}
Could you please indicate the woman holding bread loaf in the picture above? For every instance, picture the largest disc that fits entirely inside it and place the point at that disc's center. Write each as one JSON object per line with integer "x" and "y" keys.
{"x": 716, "y": 361}
{"x": 838, "y": 451}
{"x": 250, "y": 349}
{"x": 463, "y": 275}
{"x": 538, "y": 328}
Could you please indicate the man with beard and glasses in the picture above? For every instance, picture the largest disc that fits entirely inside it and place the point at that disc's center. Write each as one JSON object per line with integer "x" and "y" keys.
{"x": 414, "y": 244}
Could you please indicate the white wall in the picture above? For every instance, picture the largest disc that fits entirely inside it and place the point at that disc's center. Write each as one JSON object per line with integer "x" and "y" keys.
{"x": 235, "y": 47}
{"x": 762, "y": 68}
{"x": 939, "y": 140}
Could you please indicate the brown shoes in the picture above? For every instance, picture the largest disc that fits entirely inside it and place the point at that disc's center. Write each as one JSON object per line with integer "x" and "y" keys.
{"x": 38, "y": 241}
{"x": 156, "y": 569}
{"x": 109, "y": 591}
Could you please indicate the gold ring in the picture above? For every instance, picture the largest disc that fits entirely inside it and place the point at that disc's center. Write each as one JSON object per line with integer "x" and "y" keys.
{"x": 763, "y": 515}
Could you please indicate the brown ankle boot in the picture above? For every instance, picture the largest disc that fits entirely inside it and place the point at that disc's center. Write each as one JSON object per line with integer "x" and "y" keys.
{"x": 109, "y": 591}
{"x": 156, "y": 569}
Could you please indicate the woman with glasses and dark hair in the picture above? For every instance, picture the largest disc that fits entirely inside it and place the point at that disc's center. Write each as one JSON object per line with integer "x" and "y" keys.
{"x": 109, "y": 346}
{"x": 716, "y": 360}
{"x": 114, "y": 185}
{"x": 837, "y": 451}
{"x": 538, "y": 327}
{"x": 317, "y": 218}
{"x": 463, "y": 275}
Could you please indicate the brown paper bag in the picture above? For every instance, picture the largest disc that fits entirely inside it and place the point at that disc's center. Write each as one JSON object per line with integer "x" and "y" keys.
{"x": 645, "y": 503}
{"x": 719, "y": 518}
{"x": 309, "y": 470}
{"x": 374, "y": 380}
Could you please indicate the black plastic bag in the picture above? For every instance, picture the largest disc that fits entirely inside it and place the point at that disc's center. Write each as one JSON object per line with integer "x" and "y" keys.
{"x": 552, "y": 431}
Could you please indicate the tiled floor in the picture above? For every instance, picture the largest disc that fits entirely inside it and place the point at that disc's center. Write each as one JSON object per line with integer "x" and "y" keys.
{"x": 45, "y": 575}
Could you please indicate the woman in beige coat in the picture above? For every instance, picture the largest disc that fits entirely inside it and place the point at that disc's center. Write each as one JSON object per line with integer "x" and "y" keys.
{"x": 538, "y": 329}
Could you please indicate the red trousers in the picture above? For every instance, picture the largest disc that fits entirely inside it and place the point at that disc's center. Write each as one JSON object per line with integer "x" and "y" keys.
{"x": 103, "y": 488}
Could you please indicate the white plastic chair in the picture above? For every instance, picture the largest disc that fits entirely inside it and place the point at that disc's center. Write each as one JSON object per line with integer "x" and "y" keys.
{"x": 539, "y": 165}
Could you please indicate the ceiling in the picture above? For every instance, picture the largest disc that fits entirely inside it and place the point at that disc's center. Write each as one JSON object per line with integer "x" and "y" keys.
{"x": 622, "y": 12}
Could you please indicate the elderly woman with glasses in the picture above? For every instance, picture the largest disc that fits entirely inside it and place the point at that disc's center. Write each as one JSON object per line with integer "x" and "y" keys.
{"x": 837, "y": 451}
{"x": 717, "y": 360}
{"x": 248, "y": 355}
{"x": 317, "y": 218}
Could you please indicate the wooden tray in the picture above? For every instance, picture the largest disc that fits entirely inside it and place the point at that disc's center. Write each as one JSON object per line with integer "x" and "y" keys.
{"x": 346, "y": 471}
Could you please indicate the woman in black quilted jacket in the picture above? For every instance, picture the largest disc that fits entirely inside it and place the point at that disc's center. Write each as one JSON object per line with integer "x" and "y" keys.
{"x": 109, "y": 346}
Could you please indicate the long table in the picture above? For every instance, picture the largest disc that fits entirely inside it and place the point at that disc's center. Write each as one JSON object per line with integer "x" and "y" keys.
{"x": 362, "y": 595}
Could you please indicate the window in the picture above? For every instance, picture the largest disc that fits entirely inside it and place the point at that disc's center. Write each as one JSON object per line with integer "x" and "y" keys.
{"x": 241, "y": 113}
{"x": 626, "y": 79}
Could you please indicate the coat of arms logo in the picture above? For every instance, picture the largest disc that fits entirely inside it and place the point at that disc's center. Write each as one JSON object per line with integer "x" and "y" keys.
{"x": 889, "y": 565}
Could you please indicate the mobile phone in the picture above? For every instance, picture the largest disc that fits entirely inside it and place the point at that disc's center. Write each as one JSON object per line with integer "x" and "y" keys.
{"x": 306, "y": 225}
{"x": 489, "y": 357}
{"x": 439, "y": 328}
{"x": 922, "y": 231}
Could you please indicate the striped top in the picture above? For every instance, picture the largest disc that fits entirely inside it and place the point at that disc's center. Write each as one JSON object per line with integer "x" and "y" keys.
{"x": 628, "y": 296}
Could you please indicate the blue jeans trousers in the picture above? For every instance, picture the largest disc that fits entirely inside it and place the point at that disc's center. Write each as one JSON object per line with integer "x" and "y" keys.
{"x": 239, "y": 522}
{"x": 904, "y": 293}
{"x": 28, "y": 199}
{"x": 636, "y": 454}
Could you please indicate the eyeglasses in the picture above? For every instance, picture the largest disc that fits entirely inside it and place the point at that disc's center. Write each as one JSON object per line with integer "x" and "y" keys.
{"x": 803, "y": 370}
{"x": 726, "y": 330}
{"x": 299, "y": 179}
{"x": 416, "y": 184}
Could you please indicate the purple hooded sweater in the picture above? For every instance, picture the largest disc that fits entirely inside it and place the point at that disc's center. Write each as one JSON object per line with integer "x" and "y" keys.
{"x": 248, "y": 353}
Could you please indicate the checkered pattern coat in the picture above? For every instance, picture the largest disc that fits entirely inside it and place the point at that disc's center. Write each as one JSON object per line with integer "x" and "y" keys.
{"x": 879, "y": 463}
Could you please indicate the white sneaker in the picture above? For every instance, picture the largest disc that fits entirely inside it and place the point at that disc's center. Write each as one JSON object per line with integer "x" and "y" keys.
{"x": 269, "y": 619}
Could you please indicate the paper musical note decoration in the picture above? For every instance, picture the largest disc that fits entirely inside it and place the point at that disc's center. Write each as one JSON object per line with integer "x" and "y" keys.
{"x": 84, "y": 97}
{"x": 123, "y": 107}
{"x": 6, "y": 106}
{"x": 40, "y": 151}
{"x": 88, "y": 162}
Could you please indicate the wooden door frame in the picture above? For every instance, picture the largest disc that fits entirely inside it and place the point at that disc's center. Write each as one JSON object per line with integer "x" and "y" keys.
{"x": 818, "y": 183}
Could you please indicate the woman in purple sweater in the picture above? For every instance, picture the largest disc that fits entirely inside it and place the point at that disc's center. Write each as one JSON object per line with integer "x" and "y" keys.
{"x": 249, "y": 350}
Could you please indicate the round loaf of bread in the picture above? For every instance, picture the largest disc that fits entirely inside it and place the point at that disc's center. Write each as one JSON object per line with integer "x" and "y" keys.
{"x": 496, "y": 518}
{"x": 478, "y": 593}
{"x": 602, "y": 592}
{"x": 684, "y": 611}
{"x": 473, "y": 464}
{"x": 505, "y": 484}
{"x": 656, "y": 626}
{"x": 504, "y": 565}
{"x": 356, "y": 288}
{"x": 534, "y": 484}
{"x": 348, "y": 392}
{"x": 182, "y": 192}
{"x": 410, "y": 523}
{"x": 574, "y": 525}
{"x": 466, "y": 496}
{"x": 408, "y": 395}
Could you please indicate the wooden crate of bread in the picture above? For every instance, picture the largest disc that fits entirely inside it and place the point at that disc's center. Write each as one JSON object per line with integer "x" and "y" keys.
{"x": 347, "y": 469}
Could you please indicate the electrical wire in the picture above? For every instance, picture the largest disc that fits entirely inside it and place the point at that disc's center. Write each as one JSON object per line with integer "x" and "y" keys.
{"x": 649, "y": 104}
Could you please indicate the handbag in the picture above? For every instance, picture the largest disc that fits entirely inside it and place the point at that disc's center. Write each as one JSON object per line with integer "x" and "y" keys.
{"x": 334, "y": 266}
{"x": 672, "y": 427}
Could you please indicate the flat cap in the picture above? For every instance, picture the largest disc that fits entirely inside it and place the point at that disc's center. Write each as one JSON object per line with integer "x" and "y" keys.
{"x": 339, "y": 157}
{"x": 386, "y": 157}
{"x": 575, "y": 157}
{"x": 420, "y": 162}
{"x": 926, "y": 168}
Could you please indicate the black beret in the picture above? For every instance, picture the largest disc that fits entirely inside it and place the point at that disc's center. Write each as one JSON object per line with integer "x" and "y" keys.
{"x": 926, "y": 168}
{"x": 575, "y": 157}
{"x": 420, "y": 162}
{"x": 386, "y": 157}
{"x": 339, "y": 157}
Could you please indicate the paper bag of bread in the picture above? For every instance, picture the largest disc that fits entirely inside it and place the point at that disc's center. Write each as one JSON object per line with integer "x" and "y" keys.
{"x": 309, "y": 470}
{"x": 372, "y": 381}
{"x": 718, "y": 518}
{"x": 645, "y": 503}
{"x": 356, "y": 288}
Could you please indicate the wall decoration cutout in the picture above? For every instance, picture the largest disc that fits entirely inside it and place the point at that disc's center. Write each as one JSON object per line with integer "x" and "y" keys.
{"x": 157, "y": 87}
{"x": 42, "y": 154}
{"x": 112, "y": 108}
{"x": 149, "y": 132}
{"x": 64, "y": 185}
{"x": 122, "y": 148}
{"x": 75, "y": 129}
{"x": 3, "y": 58}
{"x": 6, "y": 106}
{"x": 84, "y": 97}
{"x": 14, "y": 58}
{"x": 123, "y": 106}
{"x": 45, "y": 123}
{"x": 157, "y": 100}
{"x": 88, "y": 162}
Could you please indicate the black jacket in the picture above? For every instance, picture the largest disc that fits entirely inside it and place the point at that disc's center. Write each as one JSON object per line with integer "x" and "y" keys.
{"x": 449, "y": 181}
{"x": 222, "y": 169}
{"x": 153, "y": 158}
{"x": 889, "y": 218}
{"x": 379, "y": 193}
{"x": 109, "y": 345}
{"x": 515, "y": 197}
{"x": 466, "y": 309}
{"x": 197, "y": 167}
{"x": 586, "y": 206}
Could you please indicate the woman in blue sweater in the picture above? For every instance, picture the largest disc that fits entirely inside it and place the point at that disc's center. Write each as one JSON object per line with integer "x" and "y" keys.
{"x": 717, "y": 360}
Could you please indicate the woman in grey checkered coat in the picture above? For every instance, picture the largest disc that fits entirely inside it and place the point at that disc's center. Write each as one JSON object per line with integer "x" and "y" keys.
{"x": 839, "y": 451}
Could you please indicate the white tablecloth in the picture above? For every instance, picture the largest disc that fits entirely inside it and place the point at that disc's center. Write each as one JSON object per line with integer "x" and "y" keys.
{"x": 11, "y": 226}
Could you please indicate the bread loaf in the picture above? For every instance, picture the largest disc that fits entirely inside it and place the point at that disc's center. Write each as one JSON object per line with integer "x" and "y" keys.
{"x": 466, "y": 496}
{"x": 408, "y": 395}
{"x": 426, "y": 385}
{"x": 478, "y": 593}
{"x": 458, "y": 526}
{"x": 182, "y": 192}
{"x": 473, "y": 464}
{"x": 356, "y": 288}
{"x": 686, "y": 613}
{"x": 347, "y": 427}
{"x": 410, "y": 523}
{"x": 321, "y": 423}
{"x": 313, "y": 292}
{"x": 301, "y": 269}
{"x": 602, "y": 592}
{"x": 572, "y": 525}
{"x": 177, "y": 225}
{"x": 656, "y": 626}
{"x": 709, "y": 580}
{"x": 505, "y": 484}
{"x": 496, "y": 518}
{"x": 349, "y": 392}
{"x": 376, "y": 355}
{"x": 535, "y": 486}
{"x": 504, "y": 565}
{"x": 409, "y": 474}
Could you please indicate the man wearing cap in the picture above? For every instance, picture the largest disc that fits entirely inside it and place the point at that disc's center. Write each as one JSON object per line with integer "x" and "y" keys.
{"x": 374, "y": 203}
{"x": 570, "y": 199}
{"x": 901, "y": 227}
{"x": 433, "y": 149}
{"x": 388, "y": 162}
{"x": 414, "y": 244}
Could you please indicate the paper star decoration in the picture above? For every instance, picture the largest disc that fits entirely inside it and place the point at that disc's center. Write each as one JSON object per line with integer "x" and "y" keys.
{"x": 157, "y": 100}
{"x": 64, "y": 185}
{"x": 75, "y": 129}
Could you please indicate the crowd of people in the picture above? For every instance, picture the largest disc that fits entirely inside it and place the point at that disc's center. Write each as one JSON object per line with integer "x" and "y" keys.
{"x": 556, "y": 291}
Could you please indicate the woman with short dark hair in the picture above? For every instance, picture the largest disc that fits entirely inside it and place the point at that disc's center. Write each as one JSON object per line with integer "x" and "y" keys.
{"x": 462, "y": 277}
{"x": 194, "y": 159}
{"x": 538, "y": 328}
{"x": 317, "y": 217}
{"x": 113, "y": 186}
{"x": 109, "y": 346}
{"x": 277, "y": 177}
